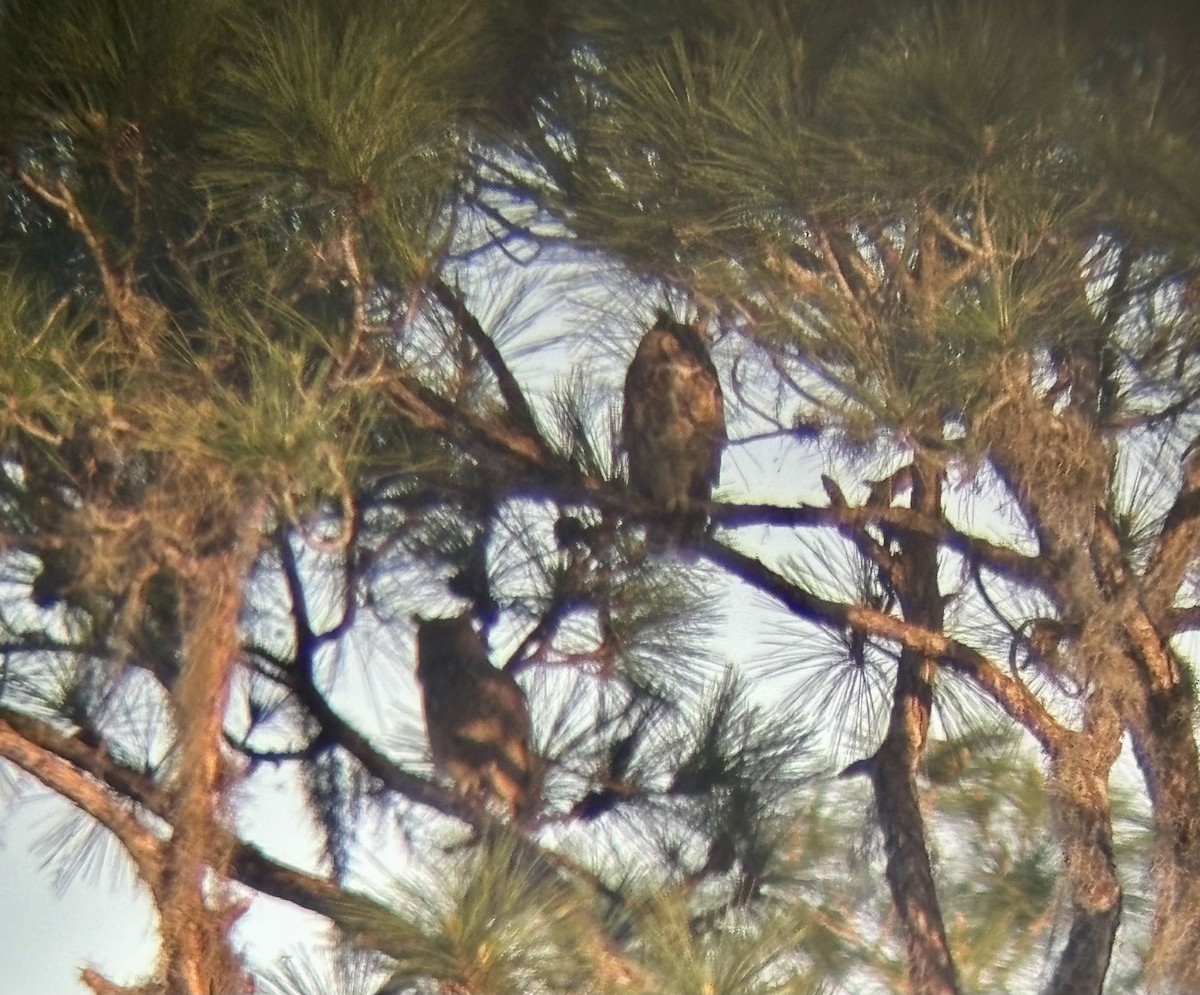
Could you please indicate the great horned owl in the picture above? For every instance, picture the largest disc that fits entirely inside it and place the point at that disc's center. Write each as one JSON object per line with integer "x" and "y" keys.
{"x": 673, "y": 429}
{"x": 476, "y": 716}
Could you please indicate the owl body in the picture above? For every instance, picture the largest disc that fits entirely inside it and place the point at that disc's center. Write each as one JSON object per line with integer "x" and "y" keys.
{"x": 476, "y": 716}
{"x": 673, "y": 429}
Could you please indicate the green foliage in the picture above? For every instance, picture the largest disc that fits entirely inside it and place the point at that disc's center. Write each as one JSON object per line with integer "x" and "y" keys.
{"x": 324, "y": 114}
{"x": 95, "y": 73}
{"x": 36, "y": 337}
{"x": 724, "y": 958}
{"x": 492, "y": 921}
{"x": 281, "y": 286}
{"x": 952, "y": 91}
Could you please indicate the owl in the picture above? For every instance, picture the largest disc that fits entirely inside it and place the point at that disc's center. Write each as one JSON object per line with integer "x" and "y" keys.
{"x": 673, "y": 430}
{"x": 476, "y": 716}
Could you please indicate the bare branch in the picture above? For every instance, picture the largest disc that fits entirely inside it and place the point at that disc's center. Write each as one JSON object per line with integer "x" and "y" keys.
{"x": 1030, "y": 569}
{"x": 63, "y": 777}
{"x": 358, "y": 290}
{"x": 510, "y": 387}
{"x": 1008, "y": 692}
{"x": 61, "y": 197}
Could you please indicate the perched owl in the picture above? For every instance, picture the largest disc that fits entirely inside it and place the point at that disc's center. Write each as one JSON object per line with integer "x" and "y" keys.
{"x": 476, "y": 716}
{"x": 674, "y": 429}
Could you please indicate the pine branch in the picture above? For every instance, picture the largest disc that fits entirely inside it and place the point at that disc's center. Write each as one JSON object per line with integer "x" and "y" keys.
{"x": 1150, "y": 647}
{"x": 1079, "y": 788}
{"x": 1176, "y": 545}
{"x": 1156, "y": 698}
{"x": 510, "y": 387}
{"x": 77, "y": 770}
{"x": 115, "y": 288}
{"x": 850, "y": 520}
{"x": 931, "y": 965}
{"x": 337, "y": 731}
{"x": 488, "y": 438}
{"x": 298, "y": 678}
{"x": 195, "y": 920}
{"x": 54, "y": 768}
{"x": 1009, "y": 693}
{"x": 428, "y": 410}
{"x": 835, "y": 265}
{"x": 358, "y": 290}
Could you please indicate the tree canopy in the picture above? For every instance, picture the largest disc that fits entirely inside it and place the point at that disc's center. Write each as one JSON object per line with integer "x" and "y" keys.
{"x": 313, "y": 324}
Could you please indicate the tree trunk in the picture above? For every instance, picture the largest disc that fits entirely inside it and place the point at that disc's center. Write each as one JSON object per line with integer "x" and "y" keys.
{"x": 195, "y": 915}
{"x": 1079, "y": 786}
{"x": 1165, "y": 747}
{"x": 931, "y": 967}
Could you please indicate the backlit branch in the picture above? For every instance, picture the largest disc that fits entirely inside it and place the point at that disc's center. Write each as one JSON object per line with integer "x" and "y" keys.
{"x": 86, "y": 793}
{"x": 510, "y": 387}
{"x": 61, "y": 197}
{"x": 1008, "y": 692}
{"x": 1029, "y": 569}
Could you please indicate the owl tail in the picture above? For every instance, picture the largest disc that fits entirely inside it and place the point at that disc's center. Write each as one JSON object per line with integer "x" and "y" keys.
{"x": 660, "y": 537}
{"x": 528, "y": 804}
{"x": 679, "y": 532}
{"x": 693, "y": 527}
{"x": 515, "y": 777}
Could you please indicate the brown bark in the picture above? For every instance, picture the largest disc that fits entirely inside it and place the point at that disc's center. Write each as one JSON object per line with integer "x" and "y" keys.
{"x": 909, "y": 873}
{"x": 195, "y": 914}
{"x": 910, "y": 568}
{"x": 931, "y": 969}
{"x": 1058, "y": 469}
{"x": 1161, "y": 717}
{"x": 1079, "y": 782}
{"x": 1009, "y": 693}
{"x": 1161, "y": 724}
{"x": 88, "y": 794}
{"x": 1161, "y": 729}
{"x": 1158, "y": 707}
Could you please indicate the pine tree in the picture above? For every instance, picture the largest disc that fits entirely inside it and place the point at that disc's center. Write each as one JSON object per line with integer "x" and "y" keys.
{"x": 284, "y": 369}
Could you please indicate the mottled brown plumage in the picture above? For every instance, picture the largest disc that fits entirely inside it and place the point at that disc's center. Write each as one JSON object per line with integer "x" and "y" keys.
{"x": 673, "y": 429}
{"x": 476, "y": 716}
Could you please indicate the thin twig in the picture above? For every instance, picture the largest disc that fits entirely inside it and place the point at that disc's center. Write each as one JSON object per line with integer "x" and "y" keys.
{"x": 1010, "y": 694}
{"x": 61, "y": 776}
{"x": 510, "y": 387}
{"x": 62, "y": 198}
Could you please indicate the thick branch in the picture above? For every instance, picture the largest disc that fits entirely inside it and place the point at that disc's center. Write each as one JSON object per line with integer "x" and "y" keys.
{"x": 510, "y": 387}
{"x": 1079, "y": 785}
{"x": 1177, "y": 544}
{"x": 1161, "y": 723}
{"x": 1030, "y": 569}
{"x": 931, "y": 968}
{"x": 76, "y": 770}
{"x": 245, "y": 862}
{"x": 538, "y": 473}
{"x": 194, "y": 922}
{"x": 68, "y": 780}
{"x": 1008, "y": 692}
